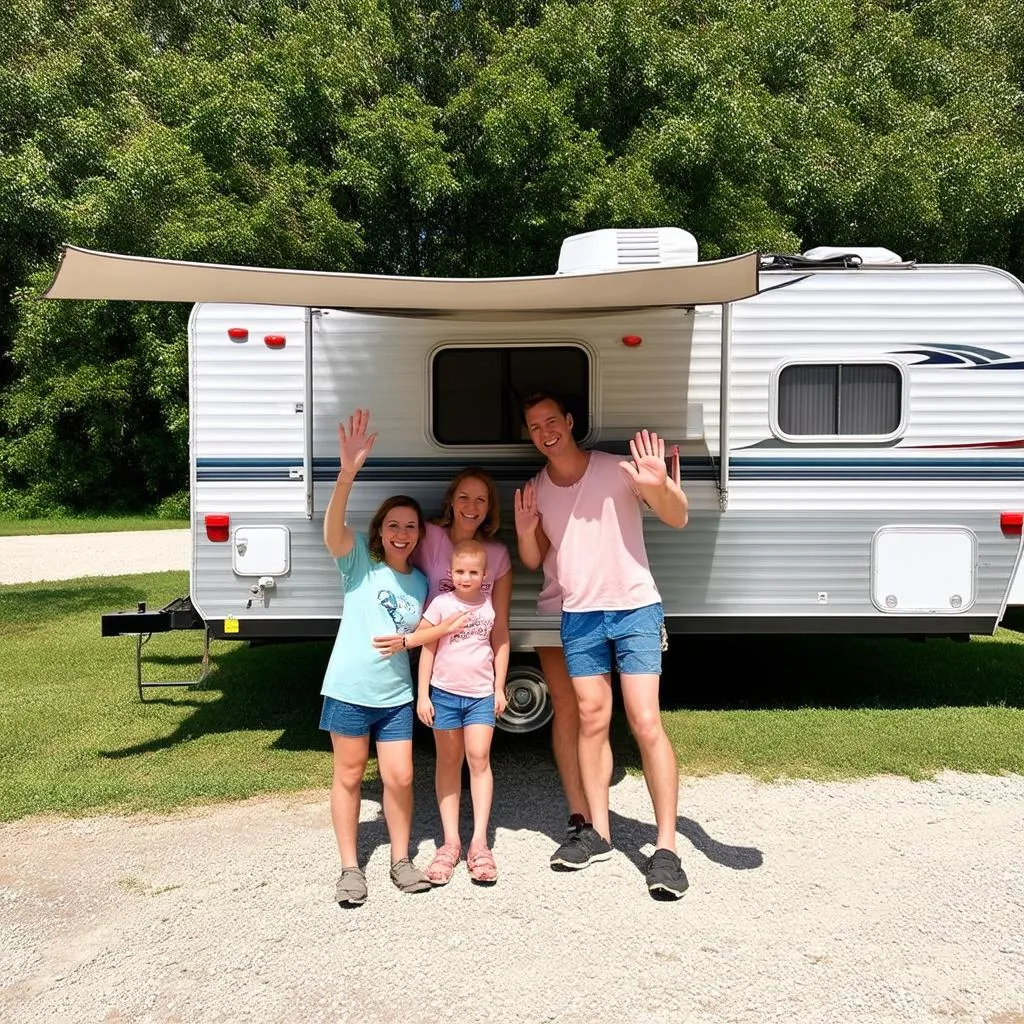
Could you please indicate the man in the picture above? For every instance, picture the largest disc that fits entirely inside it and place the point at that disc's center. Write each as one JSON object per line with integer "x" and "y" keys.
{"x": 580, "y": 518}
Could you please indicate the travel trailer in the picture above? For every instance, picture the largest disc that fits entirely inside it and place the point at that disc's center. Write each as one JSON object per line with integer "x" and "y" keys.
{"x": 850, "y": 425}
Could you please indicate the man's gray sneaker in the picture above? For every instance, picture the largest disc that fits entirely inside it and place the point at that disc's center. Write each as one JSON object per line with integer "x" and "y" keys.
{"x": 580, "y": 849}
{"x": 666, "y": 879}
{"x": 351, "y": 889}
{"x": 408, "y": 877}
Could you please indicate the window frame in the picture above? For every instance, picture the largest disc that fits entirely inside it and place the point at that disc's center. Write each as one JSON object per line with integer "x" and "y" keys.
{"x": 468, "y": 449}
{"x": 837, "y": 439}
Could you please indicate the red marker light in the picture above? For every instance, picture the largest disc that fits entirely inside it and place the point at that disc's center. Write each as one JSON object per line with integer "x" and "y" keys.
{"x": 217, "y": 527}
{"x": 238, "y": 333}
{"x": 1011, "y": 523}
{"x": 632, "y": 340}
{"x": 274, "y": 340}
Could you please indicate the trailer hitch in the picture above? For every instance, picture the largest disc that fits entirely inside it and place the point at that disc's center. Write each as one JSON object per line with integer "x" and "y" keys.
{"x": 177, "y": 615}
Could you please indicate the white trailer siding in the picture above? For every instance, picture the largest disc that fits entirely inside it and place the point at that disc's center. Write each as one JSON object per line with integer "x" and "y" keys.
{"x": 793, "y": 548}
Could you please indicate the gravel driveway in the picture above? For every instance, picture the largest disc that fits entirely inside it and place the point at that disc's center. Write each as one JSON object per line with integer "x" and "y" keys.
{"x": 876, "y": 901}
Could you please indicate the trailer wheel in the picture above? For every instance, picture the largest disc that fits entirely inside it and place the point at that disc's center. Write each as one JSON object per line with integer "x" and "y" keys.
{"x": 529, "y": 703}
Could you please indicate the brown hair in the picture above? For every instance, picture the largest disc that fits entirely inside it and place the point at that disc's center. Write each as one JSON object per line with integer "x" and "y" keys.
{"x": 373, "y": 538}
{"x": 492, "y": 521}
{"x": 542, "y": 396}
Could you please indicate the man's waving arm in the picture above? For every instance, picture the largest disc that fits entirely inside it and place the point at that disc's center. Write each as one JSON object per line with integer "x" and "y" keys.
{"x": 661, "y": 491}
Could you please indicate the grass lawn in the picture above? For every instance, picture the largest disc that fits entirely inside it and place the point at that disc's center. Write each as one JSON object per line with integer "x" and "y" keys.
{"x": 74, "y": 737}
{"x": 96, "y": 524}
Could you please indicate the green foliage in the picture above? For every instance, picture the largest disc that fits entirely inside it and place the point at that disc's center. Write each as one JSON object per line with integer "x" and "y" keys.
{"x": 175, "y": 506}
{"x": 418, "y": 137}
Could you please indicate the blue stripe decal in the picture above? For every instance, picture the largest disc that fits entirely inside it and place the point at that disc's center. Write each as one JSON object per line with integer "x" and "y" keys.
{"x": 430, "y": 470}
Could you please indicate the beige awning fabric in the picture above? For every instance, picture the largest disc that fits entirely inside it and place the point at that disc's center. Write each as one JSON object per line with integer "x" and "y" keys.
{"x": 86, "y": 274}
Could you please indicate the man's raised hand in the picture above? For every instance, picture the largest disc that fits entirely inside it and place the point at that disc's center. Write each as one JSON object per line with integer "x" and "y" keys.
{"x": 648, "y": 466}
{"x": 526, "y": 511}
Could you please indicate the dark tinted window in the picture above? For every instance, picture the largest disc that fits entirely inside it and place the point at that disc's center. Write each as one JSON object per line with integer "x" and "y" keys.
{"x": 478, "y": 392}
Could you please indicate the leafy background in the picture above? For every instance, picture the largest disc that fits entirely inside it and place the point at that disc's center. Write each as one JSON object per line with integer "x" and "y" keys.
{"x": 451, "y": 138}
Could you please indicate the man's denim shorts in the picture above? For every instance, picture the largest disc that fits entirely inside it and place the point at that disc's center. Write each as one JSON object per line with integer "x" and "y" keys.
{"x": 384, "y": 725}
{"x": 452, "y": 711}
{"x": 637, "y": 636}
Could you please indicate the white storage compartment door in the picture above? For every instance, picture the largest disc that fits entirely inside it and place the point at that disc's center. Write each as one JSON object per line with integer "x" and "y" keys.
{"x": 260, "y": 551}
{"x": 923, "y": 569}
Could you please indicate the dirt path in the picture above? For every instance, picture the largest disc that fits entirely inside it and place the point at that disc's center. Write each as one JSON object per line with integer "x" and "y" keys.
{"x": 70, "y": 556}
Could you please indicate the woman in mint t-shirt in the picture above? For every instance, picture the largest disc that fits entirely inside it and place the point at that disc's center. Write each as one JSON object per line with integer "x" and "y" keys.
{"x": 366, "y": 695}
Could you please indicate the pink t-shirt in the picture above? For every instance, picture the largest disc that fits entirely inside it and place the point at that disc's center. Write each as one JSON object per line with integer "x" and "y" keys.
{"x": 433, "y": 557}
{"x": 463, "y": 660}
{"x": 597, "y": 561}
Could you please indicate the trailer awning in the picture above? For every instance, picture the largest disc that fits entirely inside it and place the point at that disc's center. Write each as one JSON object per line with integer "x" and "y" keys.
{"x": 86, "y": 274}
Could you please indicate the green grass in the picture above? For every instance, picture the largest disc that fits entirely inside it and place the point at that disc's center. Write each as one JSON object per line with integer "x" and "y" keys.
{"x": 10, "y": 527}
{"x": 75, "y": 739}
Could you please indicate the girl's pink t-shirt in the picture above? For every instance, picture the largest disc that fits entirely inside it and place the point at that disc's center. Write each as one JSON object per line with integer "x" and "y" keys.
{"x": 463, "y": 660}
{"x": 433, "y": 557}
{"x": 597, "y": 561}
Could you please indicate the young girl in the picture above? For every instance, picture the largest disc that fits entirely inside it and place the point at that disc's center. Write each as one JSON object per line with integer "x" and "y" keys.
{"x": 461, "y": 692}
{"x": 366, "y": 695}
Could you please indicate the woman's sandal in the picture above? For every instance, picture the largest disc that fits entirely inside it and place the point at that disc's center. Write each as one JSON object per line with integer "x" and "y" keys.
{"x": 442, "y": 867}
{"x": 482, "y": 868}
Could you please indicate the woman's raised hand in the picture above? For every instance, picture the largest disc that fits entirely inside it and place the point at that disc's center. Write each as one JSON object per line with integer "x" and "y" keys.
{"x": 527, "y": 513}
{"x": 354, "y": 444}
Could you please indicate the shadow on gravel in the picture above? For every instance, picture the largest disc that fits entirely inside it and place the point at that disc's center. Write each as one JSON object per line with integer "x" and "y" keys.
{"x": 528, "y": 797}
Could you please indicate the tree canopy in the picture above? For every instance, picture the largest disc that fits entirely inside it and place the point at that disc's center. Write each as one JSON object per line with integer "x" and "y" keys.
{"x": 452, "y": 138}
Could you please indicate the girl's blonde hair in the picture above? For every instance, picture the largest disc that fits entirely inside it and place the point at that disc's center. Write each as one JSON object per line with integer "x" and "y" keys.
{"x": 492, "y": 521}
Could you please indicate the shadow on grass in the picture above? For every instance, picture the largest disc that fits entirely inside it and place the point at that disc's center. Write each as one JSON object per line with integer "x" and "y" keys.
{"x": 276, "y": 687}
{"x": 266, "y": 688}
{"x": 773, "y": 672}
{"x": 39, "y": 604}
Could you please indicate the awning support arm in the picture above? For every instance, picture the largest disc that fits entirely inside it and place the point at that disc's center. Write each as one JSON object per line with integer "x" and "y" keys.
{"x": 723, "y": 408}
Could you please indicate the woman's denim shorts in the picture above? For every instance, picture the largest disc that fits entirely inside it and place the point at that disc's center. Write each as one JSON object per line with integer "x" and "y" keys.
{"x": 637, "y": 637}
{"x": 384, "y": 725}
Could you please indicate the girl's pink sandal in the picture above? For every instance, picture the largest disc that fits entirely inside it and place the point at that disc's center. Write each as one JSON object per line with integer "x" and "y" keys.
{"x": 482, "y": 868}
{"x": 442, "y": 867}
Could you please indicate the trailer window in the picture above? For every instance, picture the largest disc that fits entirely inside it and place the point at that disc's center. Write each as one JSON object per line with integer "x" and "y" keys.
{"x": 478, "y": 391}
{"x": 839, "y": 399}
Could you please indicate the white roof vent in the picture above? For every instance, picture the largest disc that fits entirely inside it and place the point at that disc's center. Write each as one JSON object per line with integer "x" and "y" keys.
{"x": 626, "y": 249}
{"x": 867, "y": 253}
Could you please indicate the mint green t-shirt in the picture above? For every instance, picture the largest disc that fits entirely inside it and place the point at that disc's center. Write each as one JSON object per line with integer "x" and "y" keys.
{"x": 378, "y": 602}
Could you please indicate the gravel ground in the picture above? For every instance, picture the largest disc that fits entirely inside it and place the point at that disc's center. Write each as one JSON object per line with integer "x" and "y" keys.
{"x": 873, "y": 901}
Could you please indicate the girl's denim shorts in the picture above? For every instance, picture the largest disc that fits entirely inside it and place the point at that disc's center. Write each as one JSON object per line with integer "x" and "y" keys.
{"x": 452, "y": 711}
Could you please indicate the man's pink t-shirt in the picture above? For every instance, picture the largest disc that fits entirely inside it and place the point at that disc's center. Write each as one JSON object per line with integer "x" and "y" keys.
{"x": 597, "y": 560}
{"x": 463, "y": 660}
{"x": 433, "y": 557}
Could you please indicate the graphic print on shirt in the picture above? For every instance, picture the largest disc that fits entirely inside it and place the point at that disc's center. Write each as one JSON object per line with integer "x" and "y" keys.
{"x": 403, "y": 610}
{"x": 477, "y": 628}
